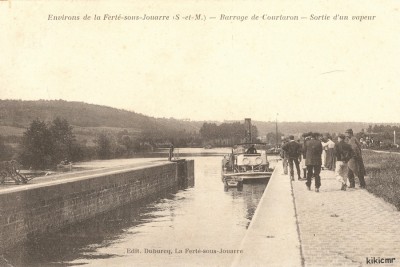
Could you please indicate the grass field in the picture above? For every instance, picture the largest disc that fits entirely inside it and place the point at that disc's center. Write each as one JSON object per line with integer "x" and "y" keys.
{"x": 89, "y": 134}
{"x": 10, "y": 130}
{"x": 383, "y": 171}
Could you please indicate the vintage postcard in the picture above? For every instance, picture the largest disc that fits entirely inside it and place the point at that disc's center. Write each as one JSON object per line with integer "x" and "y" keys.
{"x": 147, "y": 84}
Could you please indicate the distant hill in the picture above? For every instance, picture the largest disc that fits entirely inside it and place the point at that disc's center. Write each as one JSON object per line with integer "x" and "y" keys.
{"x": 20, "y": 114}
{"x": 16, "y": 115}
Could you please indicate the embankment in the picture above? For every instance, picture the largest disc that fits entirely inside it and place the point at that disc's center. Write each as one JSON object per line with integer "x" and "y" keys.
{"x": 45, "y": 207}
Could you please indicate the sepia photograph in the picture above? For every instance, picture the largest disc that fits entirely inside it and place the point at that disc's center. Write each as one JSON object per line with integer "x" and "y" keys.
{"x": 211, "y": 133}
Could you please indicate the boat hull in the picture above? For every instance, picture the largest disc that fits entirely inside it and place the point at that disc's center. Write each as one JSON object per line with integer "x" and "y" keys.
{"x": 232, "y": 183}
{"x": 248, "y": 175}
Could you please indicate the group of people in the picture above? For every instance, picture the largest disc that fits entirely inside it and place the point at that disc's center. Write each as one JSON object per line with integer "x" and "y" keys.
{"x": 316, "y": 153}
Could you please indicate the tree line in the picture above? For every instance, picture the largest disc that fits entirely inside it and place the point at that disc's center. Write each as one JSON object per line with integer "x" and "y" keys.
{"x": 234, "y": 132}
{"x": 44, "y": 145}
{"x": 382, "y": 129}
{"x": 381, "y": 136}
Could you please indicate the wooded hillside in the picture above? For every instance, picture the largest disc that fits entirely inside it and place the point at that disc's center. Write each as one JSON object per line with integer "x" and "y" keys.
{"x": 20, "y": 114}
{"x": 86, "y": 117}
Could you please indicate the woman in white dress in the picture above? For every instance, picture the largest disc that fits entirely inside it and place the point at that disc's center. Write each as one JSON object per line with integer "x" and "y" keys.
{"x": 330, "y": 155}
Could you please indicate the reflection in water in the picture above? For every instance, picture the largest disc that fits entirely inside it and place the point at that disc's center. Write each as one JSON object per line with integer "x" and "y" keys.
{"x": 251, "y": 194}
{"x": 164, "y": 231}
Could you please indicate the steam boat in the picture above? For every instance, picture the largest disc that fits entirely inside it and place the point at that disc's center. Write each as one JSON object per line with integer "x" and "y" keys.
{"x": 247, "y": 161}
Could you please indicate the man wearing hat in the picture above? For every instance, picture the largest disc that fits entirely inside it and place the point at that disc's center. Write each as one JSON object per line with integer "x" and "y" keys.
{"x": 355, "y": 164}
{"x": 293, "y": 151}
{"x": 343, "y": 153}
{"x": 312, "y": 152}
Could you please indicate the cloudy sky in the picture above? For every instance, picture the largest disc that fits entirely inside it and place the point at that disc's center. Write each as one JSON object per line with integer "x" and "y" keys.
{"x": 305, "y": 70}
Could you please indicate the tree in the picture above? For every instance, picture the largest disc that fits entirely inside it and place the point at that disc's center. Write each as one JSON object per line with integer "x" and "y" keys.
{"x": 104, "y": 146}
{"x": 46, "y": 145}
{"x": 226, "y": 133}
{"x": 37, "y": 146}
{"x": 127, "y": 142}
{"x": 209, "y": 131}
{"x": 254, "y": 133}
{"x": 271, "y": 138}
{"x": 63, "y": 140}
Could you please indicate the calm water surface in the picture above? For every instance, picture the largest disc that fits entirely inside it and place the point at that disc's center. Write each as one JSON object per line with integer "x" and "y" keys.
{"x": 204, "y": 217}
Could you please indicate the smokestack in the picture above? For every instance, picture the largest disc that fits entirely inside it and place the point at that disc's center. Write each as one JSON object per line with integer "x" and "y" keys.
{"x": 247, "y": 124}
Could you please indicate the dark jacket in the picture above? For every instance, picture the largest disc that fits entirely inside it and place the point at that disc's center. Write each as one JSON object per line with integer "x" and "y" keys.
{"x": 293, "y": 149}
{"x": 356, "y": 163}
{"x": 343, "y": 151}
{"x": 356, "y": 146}
{"x": 313, "y": 151}
{"x": 283, "y": 153}
{"x": 303, "y": 148}
{"x": 251, "y": 150}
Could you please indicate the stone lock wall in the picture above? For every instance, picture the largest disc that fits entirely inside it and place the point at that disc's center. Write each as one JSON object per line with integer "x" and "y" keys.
{"x": 190, "y": 173}
{"x": 47, "y": 208}
{"x": 185, "y": 173}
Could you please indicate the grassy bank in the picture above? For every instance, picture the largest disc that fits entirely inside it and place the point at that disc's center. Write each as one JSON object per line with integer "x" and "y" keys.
{"x": 383, "y": 171}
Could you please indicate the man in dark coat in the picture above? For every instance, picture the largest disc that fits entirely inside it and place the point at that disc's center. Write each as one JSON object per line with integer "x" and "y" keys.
{"x": 355, "y": 164}
{"x": 293, "y": 151}
{"x": 313, "y": 151}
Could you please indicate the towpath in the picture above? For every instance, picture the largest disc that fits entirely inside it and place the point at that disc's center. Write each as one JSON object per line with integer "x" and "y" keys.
{"x": 345, "y": 228}
{"x": 296, "y": 227}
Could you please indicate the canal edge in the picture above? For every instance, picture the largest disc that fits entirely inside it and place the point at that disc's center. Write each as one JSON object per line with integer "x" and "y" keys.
{"x": 272, "y": 238}
{"x": 297, "y": 226}
{"x": 235, "y": 262}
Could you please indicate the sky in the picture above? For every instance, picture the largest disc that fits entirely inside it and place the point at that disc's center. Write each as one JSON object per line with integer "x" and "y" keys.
{"x": 305, "y": 70}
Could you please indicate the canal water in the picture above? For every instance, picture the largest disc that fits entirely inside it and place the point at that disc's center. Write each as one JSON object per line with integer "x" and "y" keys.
{"x": 199, "y": 226}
